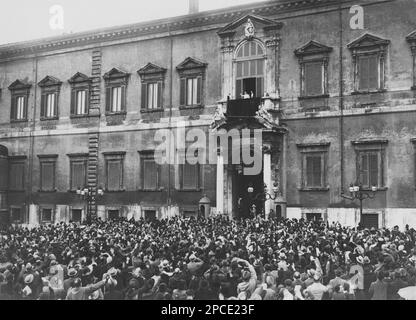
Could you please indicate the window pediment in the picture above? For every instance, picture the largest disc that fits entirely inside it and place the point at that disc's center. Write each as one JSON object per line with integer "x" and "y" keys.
{"x": 312, "y": 48}
{"x": 79, "y": 78}
{"x": 151, "y": 69}
{"x": 368, "y": 41}
{"x": 116, "y": 74}
{"x": 191, "y": 64}
{"x": 49, "y": 81}
{"x": 259, "y": 22}
{"x": 19, "y": 85}
{"x": 411, "y": 38}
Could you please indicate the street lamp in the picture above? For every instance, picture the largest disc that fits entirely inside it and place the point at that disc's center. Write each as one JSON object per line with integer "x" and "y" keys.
{"x": 87, "y": 194}
{"x": 264, "y": 195}
{"x": 357, "y": 192}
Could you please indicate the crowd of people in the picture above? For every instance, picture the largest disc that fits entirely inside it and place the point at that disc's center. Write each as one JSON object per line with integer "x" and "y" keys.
{"x": 206, "y": 259}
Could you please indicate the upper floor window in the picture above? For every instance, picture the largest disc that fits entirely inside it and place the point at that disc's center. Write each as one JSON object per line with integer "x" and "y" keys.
{"x": 19, "y": 100}
{"x": 114, "y": 167}
{"x": 150, "y": 171}
{"x": 50, "y": 87}
{"x": 370, "y": 155}
{"x": 153, "y": 78}
{"x": 116, "y": 84}
{"x": 78, "y": 171}
{"x": 17, "y": 165}
{"x": 411, "y": 39}
{"x": 80, "y": 89}
{"x": 189, "y": 172}
{"x": 192, "y": 75}
{"x": 368, "y": 53}
{"x": 250, "y": 57}
{"x": 47, "y": 172}
{"x": 314, "y": 165}
{"x": 313, "y": 60}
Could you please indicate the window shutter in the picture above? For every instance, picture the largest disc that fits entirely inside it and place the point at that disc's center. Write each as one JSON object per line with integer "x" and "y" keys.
{"x": 373, "y": 169}
{"x": 144, "y": 95}
{"x": 364, "y": 169}
{"x": 48, "y": 176}
{"x": 73, "y": 102}
{"x": 25, "y": 107}
{"x": 199, "y": 90}
{"x": 78, "y": 175}
{"x": 13, "y": 108}
{"x": 373, "y": 72}
{"x": 313, "y": 79}
{"x": 108, "y": 99}
{"x": 55, "y": 110}
{"x": 159, "y": 94}
{"x": 87, "y": 101}
{"x": 114, "y": 175}
{"x": 149, "y": 174}
{"x": 259, "y": 87}
{"x": 123, "y": 98}
{"x": 43, "y": 101}
{"x": 363, "y": 73}
{"x": 182, "y": 92}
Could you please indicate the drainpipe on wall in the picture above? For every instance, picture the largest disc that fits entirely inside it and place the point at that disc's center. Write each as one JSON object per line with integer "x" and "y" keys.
{"x": 341, "y": 99}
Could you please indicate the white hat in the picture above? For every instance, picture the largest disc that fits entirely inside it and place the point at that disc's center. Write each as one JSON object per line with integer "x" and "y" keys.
{"x": 29, "y": 278}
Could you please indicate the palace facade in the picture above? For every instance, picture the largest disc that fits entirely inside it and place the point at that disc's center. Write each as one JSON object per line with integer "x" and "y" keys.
{"x": 336, "y": 105}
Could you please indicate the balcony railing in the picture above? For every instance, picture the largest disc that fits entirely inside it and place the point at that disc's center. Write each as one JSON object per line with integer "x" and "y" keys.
{"x": 243, "y": 107}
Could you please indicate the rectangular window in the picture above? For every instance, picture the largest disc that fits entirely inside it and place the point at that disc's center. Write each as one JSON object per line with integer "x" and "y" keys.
{"x": 114, "y": 171}
{"x": 369, "y": 169}
{"x": 150, "y": 215}
{"x": 152, "y": 96}
{"x": 78, "y": 174}
{"x": 81, "y": 102}
{"x": 115, "y": 99}
{"x": 19, "y": 108}
{"x": 76, "y": 215}
{"x": 113, "y": 214}
{"x": 47, "y": 174}
{"x": 190, "y": 176}
{"x": 313, "y": 81}
{"x": 368, "y": 72}
{"x": 16, "y": 215}
{"x": 191, "y": 91}
{"x": 314, "y": 170}
{"x": 150, "y": 174}
{"x": 50, "y": 105}
{"x": 46, "y": 215}
{"x": 17, "y": 175}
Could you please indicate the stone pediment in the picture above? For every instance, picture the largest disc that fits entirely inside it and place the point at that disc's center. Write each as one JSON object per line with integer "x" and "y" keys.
{"x": 191, "y": 63}
{"x": 151, "y": 68}
{"x": 19, "y": 85}
{"x": 79, "y": 78}
{"x": 49, "y": 81}
{"x": 311, "y": 48}
{"x": 115, "y": 73}
{"x": 257, "y": 21}
{"x": 367, "y": 41}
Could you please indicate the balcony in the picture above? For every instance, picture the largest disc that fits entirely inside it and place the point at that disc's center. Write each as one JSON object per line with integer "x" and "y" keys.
{"x": 241, "y": 108}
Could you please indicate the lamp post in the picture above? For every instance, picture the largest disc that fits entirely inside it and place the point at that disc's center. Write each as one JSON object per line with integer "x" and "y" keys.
{"x": 264, "y": 195}
{"x": 87, "y": 194}
{"x": 357, "y": 192}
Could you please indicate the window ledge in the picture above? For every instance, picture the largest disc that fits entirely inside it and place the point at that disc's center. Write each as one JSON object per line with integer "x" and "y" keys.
{"x": 322, "y": 96}
{"x": 48, "y": 191}
{"x": 114, "y": 191}
{"x": 367, "y": 92}
{"x": 48, "y": 119}
{"x": 78, "y": 116}
{"x": 189, "y": 190}
{"x": 378, "y": 189}
{"x": 152, "y": 110}
{"x": 151, "y": 190}
{"x": 19, "y": 121}
{"x": 303, "y": 189}
{"x": 199, "y": 106}
{"x": 109, "y": 114}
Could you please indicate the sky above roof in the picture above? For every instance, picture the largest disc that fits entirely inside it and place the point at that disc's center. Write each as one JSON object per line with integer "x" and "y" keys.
{"x": 32, "y": 19}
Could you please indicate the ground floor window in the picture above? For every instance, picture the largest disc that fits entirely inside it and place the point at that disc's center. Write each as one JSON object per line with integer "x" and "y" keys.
{"x": 16, "y": 215}
{"x": 76, "y": 215}
{"x": 46, "y": 215}
{"x": 113, "y": 214}
{"x": 313, "y": 216}
{"x": 150, "y": 214}
{"x": 369, "y": 220}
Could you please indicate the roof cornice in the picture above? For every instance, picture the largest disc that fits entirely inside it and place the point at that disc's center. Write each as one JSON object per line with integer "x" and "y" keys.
{"x": 169, "y": 25}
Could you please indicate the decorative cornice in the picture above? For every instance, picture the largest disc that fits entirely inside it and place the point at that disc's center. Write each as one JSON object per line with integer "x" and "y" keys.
{"x": 411, "y": 37}
{"x": 115, "y": 74}
{"x": 49, "y": 81}
{"x": 313, "y": 144}
{"x": 369, "y": 141}
{"x": 150, "y": 69}
{"x": 191, "y": 63}
{"x": 169, "y": 25}
{"x": 367, "y": 41}
{"x": 268, "y": 24}
{"x": 79, "y": 78}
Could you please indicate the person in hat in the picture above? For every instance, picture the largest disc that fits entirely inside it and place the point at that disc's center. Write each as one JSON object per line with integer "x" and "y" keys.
{"x": 337, "y": 281}
{"x": 78, "y": 292}
{"x": 378, "y": 289}
{"x": 317, "y": 289}
{"x": 248, "y": 276}
{"x": 72, "y": 274}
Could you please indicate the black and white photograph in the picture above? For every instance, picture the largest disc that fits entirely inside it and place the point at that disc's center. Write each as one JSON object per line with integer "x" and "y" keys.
{"x": 223, "y": 151}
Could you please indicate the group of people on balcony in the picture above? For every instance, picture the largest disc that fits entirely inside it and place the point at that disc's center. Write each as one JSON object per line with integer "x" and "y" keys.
{"x": 206, "y": 259}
